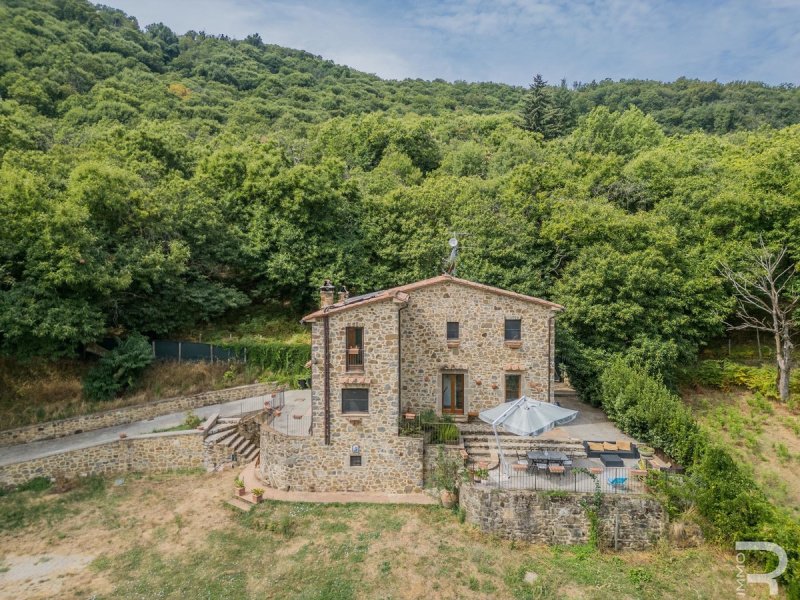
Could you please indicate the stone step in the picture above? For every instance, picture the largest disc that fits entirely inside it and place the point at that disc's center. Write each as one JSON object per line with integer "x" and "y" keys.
{"x": 220, "y": 427}
{"x": 237, "y": 502}
{"x": 491, "y": 442}
{"x": 221, "y": 437}
{"x": 239, "y": 444}
{"x": 252, "y": 454}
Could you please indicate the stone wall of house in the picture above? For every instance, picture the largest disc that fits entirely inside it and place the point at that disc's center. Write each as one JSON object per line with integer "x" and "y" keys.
{"x": 128, "y": 414}
{"x": 542, "y": 517}
{"x": 482, "y": 354}
{"x": 414, "y": 334}
{"x": 148, "y": 453}
{"x": 379, "y": 374}
{"x": 390, "y": 463}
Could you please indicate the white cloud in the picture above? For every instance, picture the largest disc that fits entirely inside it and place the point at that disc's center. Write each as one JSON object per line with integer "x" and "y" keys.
{"x": 509, "y": 40}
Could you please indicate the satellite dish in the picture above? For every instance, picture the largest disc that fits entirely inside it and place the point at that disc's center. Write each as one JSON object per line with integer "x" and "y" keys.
{"x": 453, "y": 242}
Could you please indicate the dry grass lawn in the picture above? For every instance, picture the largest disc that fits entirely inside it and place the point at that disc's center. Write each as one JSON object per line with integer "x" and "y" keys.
{"x": 42, "y": 391}
{"x": 762, "y": 433}
{"x": 173, "y": 536}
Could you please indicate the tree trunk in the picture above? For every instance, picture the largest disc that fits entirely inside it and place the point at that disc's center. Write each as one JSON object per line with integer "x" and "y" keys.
{"x": 784, "y": 362}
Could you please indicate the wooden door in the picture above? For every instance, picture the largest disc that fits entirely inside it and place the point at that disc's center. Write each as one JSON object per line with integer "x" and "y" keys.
{"x": 453, "y": 394}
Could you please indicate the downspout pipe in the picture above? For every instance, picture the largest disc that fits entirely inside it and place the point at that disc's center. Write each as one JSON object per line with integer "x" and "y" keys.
{"x": 326, "y": 393}
{"x": 399, "y": 366}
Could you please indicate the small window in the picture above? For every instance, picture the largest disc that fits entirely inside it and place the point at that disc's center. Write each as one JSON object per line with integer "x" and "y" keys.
{"x": 355, "y": 400}
{"x": 513, "y": 329}
{"x": 452, "y": 330}
{"x": 513, "y": 387}
{"x": 354, "y": 348}
{"x": 355, "y": 460}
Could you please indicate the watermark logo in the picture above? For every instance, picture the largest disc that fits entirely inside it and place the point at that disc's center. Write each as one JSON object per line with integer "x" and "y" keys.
{"x": 768, "y": 578}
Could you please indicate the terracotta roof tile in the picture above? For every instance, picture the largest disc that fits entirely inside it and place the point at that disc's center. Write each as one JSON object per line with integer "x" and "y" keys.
{"x": 401, "y": 294}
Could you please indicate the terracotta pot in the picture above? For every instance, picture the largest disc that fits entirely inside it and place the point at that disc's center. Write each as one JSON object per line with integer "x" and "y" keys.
{"x": 241, "y": 491}
{"x": 448, "y": 498}
{"x": 258, "y": 499}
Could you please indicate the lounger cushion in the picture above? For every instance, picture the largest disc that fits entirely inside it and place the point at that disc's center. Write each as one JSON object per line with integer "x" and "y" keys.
{"x": 609, "y": 447}
{"x": 624, "y": 446}
{"x": 596, "y": 446}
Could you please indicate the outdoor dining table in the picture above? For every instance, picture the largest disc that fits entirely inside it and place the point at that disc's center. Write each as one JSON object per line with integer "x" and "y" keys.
{"x": 547, "y": 456}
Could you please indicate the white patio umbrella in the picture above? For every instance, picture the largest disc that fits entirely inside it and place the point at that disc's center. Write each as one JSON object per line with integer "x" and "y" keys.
{"x": 525, "y": 417}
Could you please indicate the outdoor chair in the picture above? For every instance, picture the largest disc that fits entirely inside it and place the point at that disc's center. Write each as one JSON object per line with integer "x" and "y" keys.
{"x": 541, "y": 467}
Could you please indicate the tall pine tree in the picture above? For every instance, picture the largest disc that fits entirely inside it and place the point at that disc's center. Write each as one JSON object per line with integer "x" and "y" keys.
{"x": 539, "y": 113}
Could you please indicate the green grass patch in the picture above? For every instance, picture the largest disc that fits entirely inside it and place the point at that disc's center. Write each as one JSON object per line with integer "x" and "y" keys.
{"x": 32, "y": 502}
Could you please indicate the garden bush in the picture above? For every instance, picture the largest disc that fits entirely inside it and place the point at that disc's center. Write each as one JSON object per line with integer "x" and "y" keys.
{"x": 728, "y": 499}
{"x": 118, "y": 369}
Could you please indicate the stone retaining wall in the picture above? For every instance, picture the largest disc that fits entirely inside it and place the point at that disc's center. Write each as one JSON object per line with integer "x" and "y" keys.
{"x": 149, "y": 453}
{"x": 540, "y": 517}
{"x": 390, "y": 463}
{"x": 128, "y": 414}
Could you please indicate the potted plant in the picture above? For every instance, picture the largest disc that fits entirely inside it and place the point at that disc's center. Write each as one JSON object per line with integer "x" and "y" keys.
{"x": 646, "y": 451}
{"x": 258, "y": 494}
{"x": 482, "y": 475}
{"x": 239, "y": 485}
{"x": 448, "y": 498}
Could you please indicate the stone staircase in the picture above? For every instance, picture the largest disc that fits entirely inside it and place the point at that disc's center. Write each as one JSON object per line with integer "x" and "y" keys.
{"x": 481, "y": 446}
{"x": 226, "y": 433}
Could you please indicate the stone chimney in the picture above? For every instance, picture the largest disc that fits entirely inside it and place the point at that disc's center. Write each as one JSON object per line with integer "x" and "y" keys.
{"x": 326, "y": 292}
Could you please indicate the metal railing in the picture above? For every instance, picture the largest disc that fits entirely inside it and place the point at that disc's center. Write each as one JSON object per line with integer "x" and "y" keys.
{"x": 434, "y": 431}
{"x": 294, "y": 425}
{"x": 355, "y": 358}
{"x": 608, "y": 480}
{"x": 259, "y": 403}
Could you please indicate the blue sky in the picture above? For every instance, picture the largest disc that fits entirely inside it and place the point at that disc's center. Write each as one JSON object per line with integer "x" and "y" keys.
{"x": 510, "y": 40}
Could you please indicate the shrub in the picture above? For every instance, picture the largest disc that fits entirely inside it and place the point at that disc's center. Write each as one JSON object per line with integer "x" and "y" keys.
{"x": 445, "y": 472}
{"x": 192, "y": 421}
{"x": 118, "y": 369}
{"x": 726, "y": 496}
{"x": 725, "y": 374}
{"x": 277, "y": 357}
{"x": 446, "y": 433}
{"x": 646, "y": 409}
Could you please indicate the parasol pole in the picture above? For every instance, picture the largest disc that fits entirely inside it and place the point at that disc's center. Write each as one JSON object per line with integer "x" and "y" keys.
{"x": 498, "y": 421}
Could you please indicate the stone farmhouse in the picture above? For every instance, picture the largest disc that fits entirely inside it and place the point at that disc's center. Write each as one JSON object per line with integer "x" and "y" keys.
{"x": 443, "y": 344}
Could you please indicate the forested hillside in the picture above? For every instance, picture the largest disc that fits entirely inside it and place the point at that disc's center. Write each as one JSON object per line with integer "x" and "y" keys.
{"x": 151, "y": 181}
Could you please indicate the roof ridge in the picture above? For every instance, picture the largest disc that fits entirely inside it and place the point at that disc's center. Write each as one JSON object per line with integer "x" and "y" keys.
{"x": 408, "y": 287}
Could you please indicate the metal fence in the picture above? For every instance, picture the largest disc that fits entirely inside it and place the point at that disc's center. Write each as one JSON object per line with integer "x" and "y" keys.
{"x": 259, "y": 403}
{"x": 608, "y": 480}
{"x": 194, "y": 351}
{"x": 435, "y": 432}
{"x": 289, "y": 423}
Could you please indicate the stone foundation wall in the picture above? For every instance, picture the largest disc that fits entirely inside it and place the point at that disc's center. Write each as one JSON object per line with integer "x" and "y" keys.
{"x": 149, "y": 453}
{"x": 431, "y": 455}
{"x": 390, "y": 463}
{"x": 560, "y": 519}
{"x": 128, "y": 414}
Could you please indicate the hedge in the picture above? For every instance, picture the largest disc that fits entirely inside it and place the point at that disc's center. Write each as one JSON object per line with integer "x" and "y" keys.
{"x": 277, "y": 357}
{"x": 726, "y": 496}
